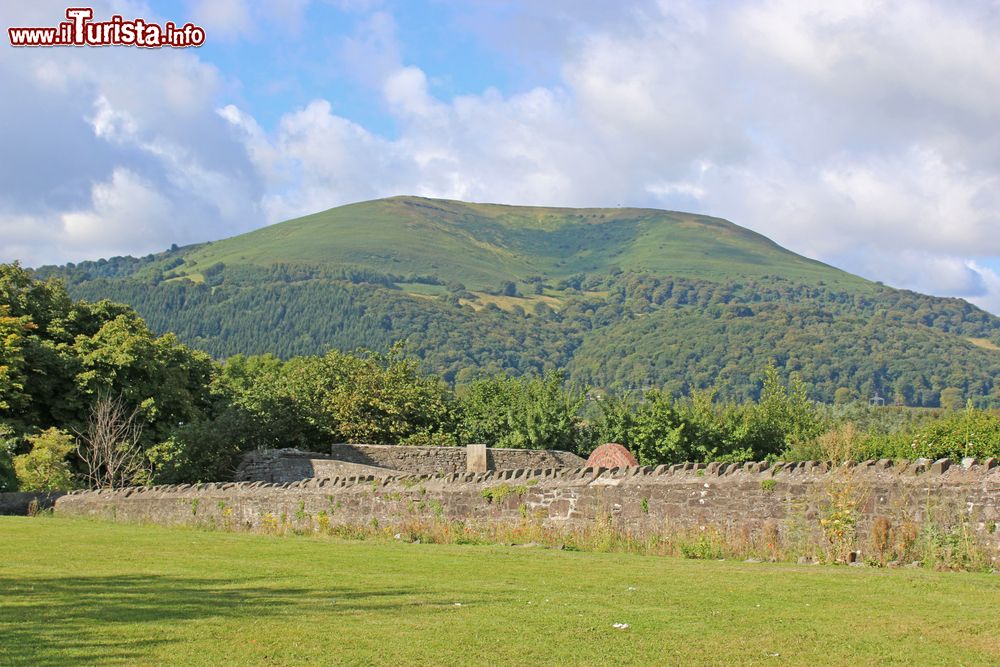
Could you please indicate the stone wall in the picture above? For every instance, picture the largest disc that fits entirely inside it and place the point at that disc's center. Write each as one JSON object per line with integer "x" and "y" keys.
{"x": 788, "y": 499}
{"x": 18, "y": 503}
{"x": 289, "y": 465}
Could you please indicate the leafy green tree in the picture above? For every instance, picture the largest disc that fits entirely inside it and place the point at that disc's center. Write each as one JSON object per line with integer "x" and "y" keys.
{"x": 44, "y": 467}
{"x": 206, "y": 450}
{"x": 787, "y": 411}
{"x": 166, "y": 380}
{"x": 527, "y": 413}
{"x": 615, "y": 420}
{"x": 12, "y": 371}
{"x": 8, "y": 478}
{"x": 271, "y": 400}
{"x": 58, "y": 355}
{"x": 951, "y": 398}
{"x": 371, "y": 397}
{"x": 660, "y": 434}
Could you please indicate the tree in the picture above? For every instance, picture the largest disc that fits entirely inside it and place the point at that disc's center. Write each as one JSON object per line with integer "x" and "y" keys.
{"x": 659, "y": 434}
{"x": 842, "y": 396}
{"x": 371, "y": 397}
{"x": 110, "y": 448}
{"x": 166, "y": 380}
{"x": 951, "y": 398}
{"x": 205, "y": 450}
{"x": 8, "y": 478}
{"x": 44, "y": 467}
{"x": 57, "y": 356}
{"x": 531, "y": 413}
{"x": 12, "y": 371}
{"x": 788, "y": 410}
{"x": 615, "y": 422}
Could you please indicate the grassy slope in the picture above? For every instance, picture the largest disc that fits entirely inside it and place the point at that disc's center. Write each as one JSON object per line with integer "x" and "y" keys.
{"x": 482, "y": 245}
{"x": 75, "y": 592}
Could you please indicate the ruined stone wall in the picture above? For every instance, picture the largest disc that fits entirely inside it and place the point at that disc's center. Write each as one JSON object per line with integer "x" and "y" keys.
{"x": 793, "y": 499}
{"x": 289, "y": 465}
{"x": 19, "y": 503}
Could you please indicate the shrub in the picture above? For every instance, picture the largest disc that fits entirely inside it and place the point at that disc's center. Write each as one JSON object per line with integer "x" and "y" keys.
{"x": 528, "y": 413}
{"x": 45, "y": 467}
{"x": 844, "y": 442}
{"x": 970, "y": 432}
{"x": 8, "y": 479}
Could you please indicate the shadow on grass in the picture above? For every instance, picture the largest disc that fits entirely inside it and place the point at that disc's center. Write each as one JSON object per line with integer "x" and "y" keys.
{"x": 73, "y": 619}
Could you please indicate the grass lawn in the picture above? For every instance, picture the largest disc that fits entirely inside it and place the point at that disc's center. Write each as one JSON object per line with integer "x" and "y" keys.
{"x": 81, "y": 592}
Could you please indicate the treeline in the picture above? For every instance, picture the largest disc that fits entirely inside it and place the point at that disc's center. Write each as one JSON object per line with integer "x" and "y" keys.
{"x": 76, "y": 376}
{"x": 619, "y": 332}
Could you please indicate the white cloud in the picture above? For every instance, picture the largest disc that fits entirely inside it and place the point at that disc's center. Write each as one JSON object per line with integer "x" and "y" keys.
{"x": 125, "y": 212}
{"x": 232, "y": 20}
{"x": 226, "y": 19}
{"x": 96, "y": 131}
{"x": 989, "y": 296}
{"x": 859, "y": 133}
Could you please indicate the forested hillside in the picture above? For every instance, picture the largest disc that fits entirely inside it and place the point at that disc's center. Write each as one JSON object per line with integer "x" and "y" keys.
{"x": 90, "y": 396}
{"x": 620, "y": 298}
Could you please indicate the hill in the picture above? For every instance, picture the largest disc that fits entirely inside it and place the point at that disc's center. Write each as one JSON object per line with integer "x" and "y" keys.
{"x": 621, "y": 298}
{"x": 485, "y": 245}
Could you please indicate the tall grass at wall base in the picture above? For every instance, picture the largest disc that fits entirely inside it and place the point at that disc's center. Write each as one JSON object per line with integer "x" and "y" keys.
{"x": 945, "y": 541}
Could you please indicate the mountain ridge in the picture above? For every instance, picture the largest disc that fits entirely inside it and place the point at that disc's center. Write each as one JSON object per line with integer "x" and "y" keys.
{"x": 500, "y": 241}
{"x": 618, "y": 297}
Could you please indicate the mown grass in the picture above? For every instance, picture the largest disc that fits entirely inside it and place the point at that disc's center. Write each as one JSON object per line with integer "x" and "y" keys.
{"x": 80, "y": 592}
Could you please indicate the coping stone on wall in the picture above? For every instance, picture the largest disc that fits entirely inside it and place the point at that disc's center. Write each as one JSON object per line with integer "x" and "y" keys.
{"x": 476, "y": 458}
{"x": 941, "y": 465}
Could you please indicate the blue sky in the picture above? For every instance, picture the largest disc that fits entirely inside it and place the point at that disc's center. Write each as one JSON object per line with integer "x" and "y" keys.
{"x": 862, "y": 134}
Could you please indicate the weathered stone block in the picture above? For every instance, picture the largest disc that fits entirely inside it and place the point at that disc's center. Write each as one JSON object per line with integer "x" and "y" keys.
{"x": 475, "y": 458}
{"x": 940, "y": 466}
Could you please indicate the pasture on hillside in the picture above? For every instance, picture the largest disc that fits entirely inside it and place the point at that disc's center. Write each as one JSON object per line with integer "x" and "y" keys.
{"x": 82, "y": 592}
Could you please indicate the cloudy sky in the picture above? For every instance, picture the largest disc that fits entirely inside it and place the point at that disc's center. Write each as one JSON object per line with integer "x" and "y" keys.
{"x": 864, "y": 134}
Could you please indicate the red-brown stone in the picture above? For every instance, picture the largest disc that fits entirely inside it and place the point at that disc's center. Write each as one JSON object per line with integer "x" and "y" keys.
{"x": 611, "y": 455}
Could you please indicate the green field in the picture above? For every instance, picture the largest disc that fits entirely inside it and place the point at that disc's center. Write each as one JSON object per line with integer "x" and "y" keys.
{"x": 79, "y": 592}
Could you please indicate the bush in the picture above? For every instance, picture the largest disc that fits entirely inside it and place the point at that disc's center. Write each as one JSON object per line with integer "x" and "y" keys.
{"x": 373, "y": 398}
{"x": 970, "y": 432}
{"x": 662, "y": 430}
{"x": 8, "y": 479}
{"x": 45, "y": 467}
{"x": 204, "y": 451}
{"x": 528, "y": 413}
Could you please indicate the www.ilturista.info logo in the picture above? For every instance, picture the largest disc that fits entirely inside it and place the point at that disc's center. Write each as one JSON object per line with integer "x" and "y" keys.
{"x": 80, "y": 30}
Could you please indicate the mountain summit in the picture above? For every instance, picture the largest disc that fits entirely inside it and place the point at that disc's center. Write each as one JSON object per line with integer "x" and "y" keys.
{"x": 484, "y": 245}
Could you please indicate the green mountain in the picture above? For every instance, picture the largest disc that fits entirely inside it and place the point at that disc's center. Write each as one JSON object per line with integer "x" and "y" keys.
{"x": 621, "y": 298}
{"x": 485, "y": 245}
